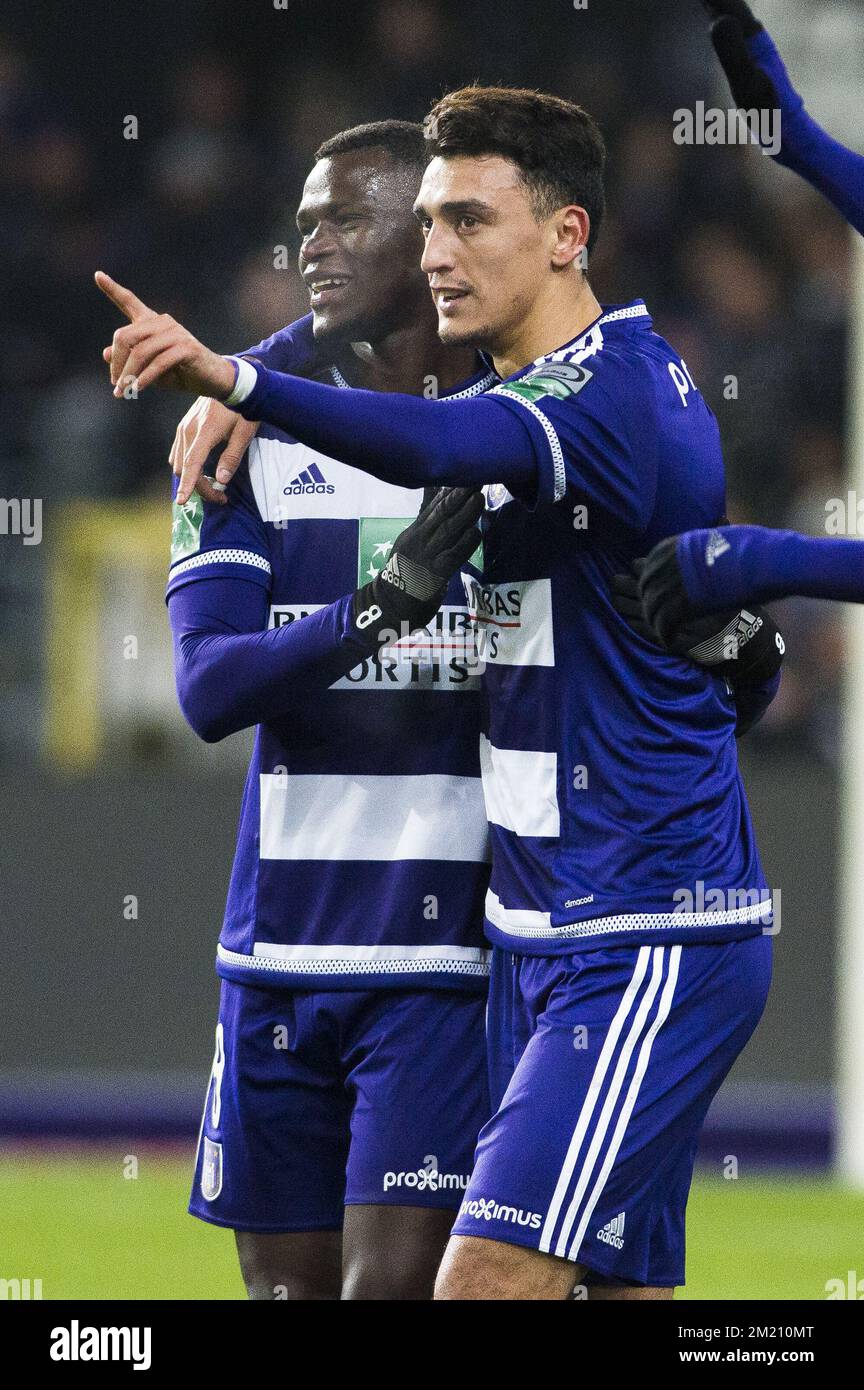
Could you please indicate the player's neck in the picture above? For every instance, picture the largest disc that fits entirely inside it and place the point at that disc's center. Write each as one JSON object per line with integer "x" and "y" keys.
{"x": 410, "y": 360}
{"x": 557, "y": 317}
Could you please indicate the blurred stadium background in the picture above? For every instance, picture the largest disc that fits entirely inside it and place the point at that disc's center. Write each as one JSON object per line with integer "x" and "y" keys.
{"x": 117, "y": 824}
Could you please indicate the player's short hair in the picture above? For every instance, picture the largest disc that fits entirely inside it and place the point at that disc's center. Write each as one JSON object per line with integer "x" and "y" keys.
{"x": 404, "y": 140}
{"x": 557, "y": 147}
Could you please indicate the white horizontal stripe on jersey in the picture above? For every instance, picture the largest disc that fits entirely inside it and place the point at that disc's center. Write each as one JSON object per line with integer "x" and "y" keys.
{"x": 220, "y": 557}
{"x": 520, "y": 789}
{"x": 335, "y": 816}
{"x": 513, "y": 622}
{"x": 442, "y": 656}
{"x": 374, "y": 960}
{"x": 518, "y": 921}
{"x": 346, "y": 493}
{"x": 528, "y": 923}
{"x": 355, "y": 953}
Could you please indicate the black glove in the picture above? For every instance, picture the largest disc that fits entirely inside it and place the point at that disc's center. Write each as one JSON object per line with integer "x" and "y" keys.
{"x": 411, "y": 587}
{"x": 739, "y": 10}
{"x": 627, "y": 600}
{"x": 740, "y": 645}
{"x": 665, "y": 601}
{"x": 734, "y": 23}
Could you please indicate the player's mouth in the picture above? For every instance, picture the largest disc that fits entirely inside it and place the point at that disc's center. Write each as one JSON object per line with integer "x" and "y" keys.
{"x": 447, "y": 298}
{"x": 324, "y": 289}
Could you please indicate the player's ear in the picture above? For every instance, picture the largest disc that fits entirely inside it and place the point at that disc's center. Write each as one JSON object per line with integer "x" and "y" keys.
{"x": 572, "y": 227}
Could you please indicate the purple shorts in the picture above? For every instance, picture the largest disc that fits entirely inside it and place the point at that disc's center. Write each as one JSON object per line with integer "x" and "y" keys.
{"x": 318, "y": 1099}
{"x": 603, "y": 1066}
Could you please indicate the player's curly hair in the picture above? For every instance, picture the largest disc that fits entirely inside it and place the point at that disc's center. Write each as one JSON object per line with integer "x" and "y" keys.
{"x": 556, "y": 145}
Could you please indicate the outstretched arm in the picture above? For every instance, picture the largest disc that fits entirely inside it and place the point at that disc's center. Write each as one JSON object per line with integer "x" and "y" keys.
{"x": 759, "y": 81}
{"x": 401, "y": 439}
{"x": 707, "y": 570}
{"x": 745, "y": 647}
{"x": 519, "y": 435}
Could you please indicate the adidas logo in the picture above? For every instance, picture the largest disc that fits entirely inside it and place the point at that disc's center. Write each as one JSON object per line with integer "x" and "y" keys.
{"x": 716, "y": 546}
{"x": 393, "y": 574}
{"x": 310, "y": 480}
{"x": 747, "y": 625}
{"x": 613, "y": 1232}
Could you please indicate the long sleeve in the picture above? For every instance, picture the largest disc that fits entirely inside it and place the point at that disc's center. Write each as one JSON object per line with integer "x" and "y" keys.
{"x": 737, "y": 565}
{"x": 401, "y": 439}
{"x": 808, "y": 150}
{"x": 231, "y": 672}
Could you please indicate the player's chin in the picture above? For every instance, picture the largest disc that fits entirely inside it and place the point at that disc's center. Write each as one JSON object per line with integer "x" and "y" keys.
{"x": 331, "y": 326}
{"x": 457, "y": 333}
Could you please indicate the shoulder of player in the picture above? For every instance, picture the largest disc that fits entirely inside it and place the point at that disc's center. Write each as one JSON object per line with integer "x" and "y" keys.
{"x": 616, "y": 375}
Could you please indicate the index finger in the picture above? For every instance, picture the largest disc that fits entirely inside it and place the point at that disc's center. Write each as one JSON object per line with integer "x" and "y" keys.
{"x": 127, "y": 302}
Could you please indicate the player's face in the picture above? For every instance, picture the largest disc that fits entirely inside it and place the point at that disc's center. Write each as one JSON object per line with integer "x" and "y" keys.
{"x": 486, "y": 255}
{"x": 361, "y": 246}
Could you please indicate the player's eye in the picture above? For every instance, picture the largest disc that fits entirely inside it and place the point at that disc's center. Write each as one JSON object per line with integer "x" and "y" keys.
{"x": 467, "y": 223}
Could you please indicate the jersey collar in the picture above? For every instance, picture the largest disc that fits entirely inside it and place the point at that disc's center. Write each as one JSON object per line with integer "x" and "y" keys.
{"x": 591, "y": 338}
{"x": 483, "y": 378}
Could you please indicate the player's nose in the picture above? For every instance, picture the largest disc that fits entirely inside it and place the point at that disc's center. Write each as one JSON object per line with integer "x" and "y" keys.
{"x": 316, "y": 245}
{"x": 437, "y": 251}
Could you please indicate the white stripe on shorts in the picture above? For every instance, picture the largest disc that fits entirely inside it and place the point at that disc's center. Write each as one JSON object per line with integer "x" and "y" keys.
{"x": 620, "y": 1048}
{"x": 591, "y": 1096}
{"x": 630, "y": 1101}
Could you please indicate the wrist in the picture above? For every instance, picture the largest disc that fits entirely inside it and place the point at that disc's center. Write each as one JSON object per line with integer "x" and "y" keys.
{"x": 240, "y": 380}
{"x": 384, "y": 614}
{"x": 759, "y": 650}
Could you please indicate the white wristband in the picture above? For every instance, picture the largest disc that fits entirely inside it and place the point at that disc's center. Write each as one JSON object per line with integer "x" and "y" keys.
{"x": 247, "y": 378}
